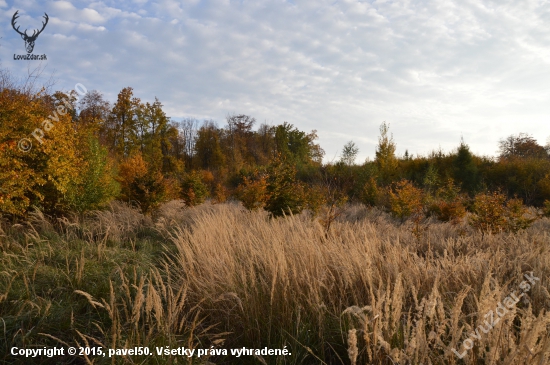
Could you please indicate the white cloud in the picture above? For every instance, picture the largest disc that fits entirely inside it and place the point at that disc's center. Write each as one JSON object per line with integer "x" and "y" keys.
{"x": 435, "y": 69}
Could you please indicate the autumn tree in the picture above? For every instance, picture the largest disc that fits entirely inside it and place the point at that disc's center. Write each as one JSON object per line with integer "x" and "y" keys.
{"x": 526, "y": 178}
{"x": 94, "y": 111}
{"x": 405, "y": 200}
{"x": 122, "y": 127}
{"x": 144, "y": 185}
{"x": 208, "y": 150}
{"x": 448, "y": 203}
{"x": 188, "y": 128}
{"x": 239, "y": 135}
{"x": 285, "y": 193}
{"x": 155, "y": 139}
{"x": 297, "y": 146}
{"x": 193, "y": 189}
{"x": 36, "y": 170}
{"x": 252, "y": 191}
{"x": 385, "y": 155}
{"x": 265, "y": 144}
{"x": 493, "y": 213}
{"x": 521, "y": 145}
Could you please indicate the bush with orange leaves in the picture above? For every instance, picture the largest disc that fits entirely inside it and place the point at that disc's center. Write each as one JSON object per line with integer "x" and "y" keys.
{"x": 447, "y": 206}
{"x": 518, "y": 216}
{"x": 143, "y": 185}
{"x": 194, "y": 191}
{"x": 252, "y": 192}
{"x": 493, "y": 214}
{"x": 405, "y": 200}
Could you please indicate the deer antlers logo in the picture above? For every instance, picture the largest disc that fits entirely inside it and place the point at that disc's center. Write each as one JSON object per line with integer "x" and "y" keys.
{"x": 29, "y": 39}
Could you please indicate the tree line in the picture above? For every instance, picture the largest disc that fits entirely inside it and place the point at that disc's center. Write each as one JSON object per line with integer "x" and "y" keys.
{"x": 131, "y": 150}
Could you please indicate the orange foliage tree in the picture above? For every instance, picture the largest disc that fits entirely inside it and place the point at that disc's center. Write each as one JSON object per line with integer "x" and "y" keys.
{"x": 252, "y": 192}
{"x": 405, "y": 200}
{"x": 447, "y": 205}
{"x": 492, "y": 213}
{"x": 36, "y": 171}
{"x": 144, "y": 185}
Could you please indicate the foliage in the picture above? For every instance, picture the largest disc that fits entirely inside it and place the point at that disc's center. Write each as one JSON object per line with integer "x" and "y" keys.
{"x": 193, "y": 189}
{"x": 285, "y": 194}
{"x": 489, "y": 212}
{"x": 98, "y": 185}
{"x": 143, "y": 185}
{"x": 122, "y": 127}
{"x": 518, "y": 216}
{"x": 297, "y": 146}
{"x": 252, "y": 192}
{"x": 385, "y": 155}
{"x": 447, "y": 205}
{"x": 220, "y": 193}
{"x": 349, "y": 153}
{"x": 521, "y": 145}
{"x": 43, "y": 175}
{"x": 370, "y": 193}
{"x": 493, "y": 213}
{"x": 83, "y": 146}
{"x": 431, "y": 179}
{"x": 466, "y": 172}
{"x": 208, "y": 151}
{"x": 405, "y": 200}
{"x": 526, "y": 178}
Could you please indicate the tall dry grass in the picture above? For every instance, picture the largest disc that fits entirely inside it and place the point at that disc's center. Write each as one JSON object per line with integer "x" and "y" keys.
{"x": 371, "y": 291}
{"x": 410, "y": 299}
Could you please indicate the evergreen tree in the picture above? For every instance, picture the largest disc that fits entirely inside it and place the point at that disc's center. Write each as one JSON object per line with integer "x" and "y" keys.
{"x": 465, "y": 169}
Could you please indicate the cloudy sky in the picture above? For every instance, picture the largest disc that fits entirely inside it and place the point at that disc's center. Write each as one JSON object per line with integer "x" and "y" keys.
{"x": 436, "y": 70}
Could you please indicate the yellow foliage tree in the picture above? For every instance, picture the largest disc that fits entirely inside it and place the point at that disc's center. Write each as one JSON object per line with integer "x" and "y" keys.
{"x": 492, "y": 213}
{"x": 143, "y": 185}
{"x": 386, "y": 162}
{"x": 252, "y": 192}
{"x": 405, "y": 200}
{"x": 39, "y": 159}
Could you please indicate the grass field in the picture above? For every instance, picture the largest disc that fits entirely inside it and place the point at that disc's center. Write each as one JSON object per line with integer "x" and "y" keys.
{"x": 220, "y": 277}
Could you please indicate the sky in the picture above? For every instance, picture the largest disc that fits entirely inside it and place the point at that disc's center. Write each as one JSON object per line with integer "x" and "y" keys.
{"x": 435, "y": 70}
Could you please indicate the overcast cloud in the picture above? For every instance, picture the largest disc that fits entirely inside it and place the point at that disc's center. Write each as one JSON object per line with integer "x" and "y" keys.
{"x": 435, "y": 70}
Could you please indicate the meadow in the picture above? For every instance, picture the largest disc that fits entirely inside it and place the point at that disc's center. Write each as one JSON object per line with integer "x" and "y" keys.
{"x": 371, "y": 289}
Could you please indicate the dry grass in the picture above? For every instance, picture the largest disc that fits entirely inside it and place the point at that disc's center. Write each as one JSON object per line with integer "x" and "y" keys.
{"x": 369, "y": 292}
{"x": 282, "y": 282}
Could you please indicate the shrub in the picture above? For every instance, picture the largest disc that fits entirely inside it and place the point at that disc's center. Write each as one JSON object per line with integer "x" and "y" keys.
{"x": 285, "y": 193}
{"x": 193, "y": 189}
{"x": 405, "y": 200}
{"x": 98, "y": 186}
{"x": 43, "y": 174}
{"x": 518, "y": 216}
{"x": 448, "y": 204}
{"x": 370, "y": 193}
{"x": 492, "y": 213}
{"x": 489, "y": 212}
{"x": 143, "y": 185}
{"x": 220, "y": 193}
{"x": 252, "y": 192}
